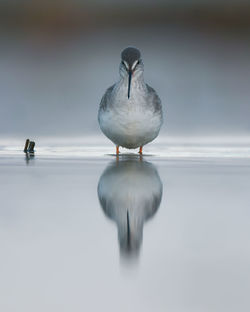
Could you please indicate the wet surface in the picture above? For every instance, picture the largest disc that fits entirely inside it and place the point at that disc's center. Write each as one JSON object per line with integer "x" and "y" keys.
{"x": 128, "y": 234}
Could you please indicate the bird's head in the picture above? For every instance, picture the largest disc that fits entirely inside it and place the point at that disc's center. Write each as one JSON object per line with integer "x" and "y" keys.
{"x": 131, "y": 65}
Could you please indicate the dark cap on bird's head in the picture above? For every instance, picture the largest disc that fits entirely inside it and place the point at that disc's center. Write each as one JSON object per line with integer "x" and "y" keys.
{"x": 130, "y": 55}
{"x": 130, "y": 58}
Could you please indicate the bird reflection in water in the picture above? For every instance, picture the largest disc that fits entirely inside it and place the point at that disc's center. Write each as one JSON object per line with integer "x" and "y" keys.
{"x": 130, "y": 193}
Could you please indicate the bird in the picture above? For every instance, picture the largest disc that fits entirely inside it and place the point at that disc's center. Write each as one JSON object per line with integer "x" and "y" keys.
{"x": 130, "y": 193}
{"x": 130, "y": 111}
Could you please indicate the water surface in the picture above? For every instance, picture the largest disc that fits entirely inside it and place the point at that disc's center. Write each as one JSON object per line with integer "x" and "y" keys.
{"x": 90, "y": 232}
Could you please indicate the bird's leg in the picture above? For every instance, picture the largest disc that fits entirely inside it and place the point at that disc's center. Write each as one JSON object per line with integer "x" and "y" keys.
{"x": 117, "y": 150}
{"x": 140, "y": 150}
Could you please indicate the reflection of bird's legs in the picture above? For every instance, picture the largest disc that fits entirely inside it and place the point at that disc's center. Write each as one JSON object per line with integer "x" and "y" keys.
{"x": 117, "y": 150}
{"x": 117, "y": 153}
{"x": 140, "y": 150}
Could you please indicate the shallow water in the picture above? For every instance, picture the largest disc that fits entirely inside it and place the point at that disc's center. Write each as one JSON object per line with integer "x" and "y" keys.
{"x": 81, "y": 230}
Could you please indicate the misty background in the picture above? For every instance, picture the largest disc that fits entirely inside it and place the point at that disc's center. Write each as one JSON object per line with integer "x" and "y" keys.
{"x": 59, "y": 251}
{"x": 57, "y": 59}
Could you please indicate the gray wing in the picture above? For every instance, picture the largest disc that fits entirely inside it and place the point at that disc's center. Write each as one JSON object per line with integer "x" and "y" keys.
{"x": 155, "y": 100}
{"x": 106, "y": 98}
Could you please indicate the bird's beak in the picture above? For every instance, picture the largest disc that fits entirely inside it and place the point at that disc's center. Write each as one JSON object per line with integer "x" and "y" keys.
{"x": 129, "y": 81}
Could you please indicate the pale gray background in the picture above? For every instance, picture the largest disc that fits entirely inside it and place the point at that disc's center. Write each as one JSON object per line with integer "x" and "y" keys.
{"x": 58, "y": 59}
{"x": 58, "y": 251}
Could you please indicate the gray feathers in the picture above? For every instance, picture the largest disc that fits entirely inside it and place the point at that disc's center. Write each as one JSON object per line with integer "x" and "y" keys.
{"x": 130, "y": 55}
{"x": 156, "y": 101}
{"x": 106, "y": 98}
{"x": 130, "y": 119}
{"x": 152, "y": 96}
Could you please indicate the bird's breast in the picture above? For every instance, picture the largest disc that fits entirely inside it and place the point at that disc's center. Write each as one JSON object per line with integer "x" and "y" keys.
{"x": 130, "y": 122}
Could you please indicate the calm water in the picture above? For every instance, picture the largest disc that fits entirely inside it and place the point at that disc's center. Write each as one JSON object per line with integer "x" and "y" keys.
{"x": 96, "y": 233}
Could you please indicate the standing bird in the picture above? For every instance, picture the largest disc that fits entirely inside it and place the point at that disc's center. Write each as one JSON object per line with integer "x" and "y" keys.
{"x": 130, "y": 112}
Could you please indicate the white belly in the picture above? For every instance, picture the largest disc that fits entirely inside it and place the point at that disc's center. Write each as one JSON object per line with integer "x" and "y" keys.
{"x": 130, "y": 125}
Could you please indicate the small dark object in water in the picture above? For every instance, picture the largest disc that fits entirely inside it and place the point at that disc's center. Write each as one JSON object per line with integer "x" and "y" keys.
{"x": 31, "y": 147}
{"x": 26, "y": 146}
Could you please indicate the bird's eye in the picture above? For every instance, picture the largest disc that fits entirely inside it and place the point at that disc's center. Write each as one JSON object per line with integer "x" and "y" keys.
{"x": 124, "y": 63}
{"x": 138, "y": 63}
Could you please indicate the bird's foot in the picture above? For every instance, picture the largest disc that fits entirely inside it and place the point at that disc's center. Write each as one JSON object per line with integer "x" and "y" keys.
{"x": 117, "y": 150}
{"x": 140, "y": 150}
